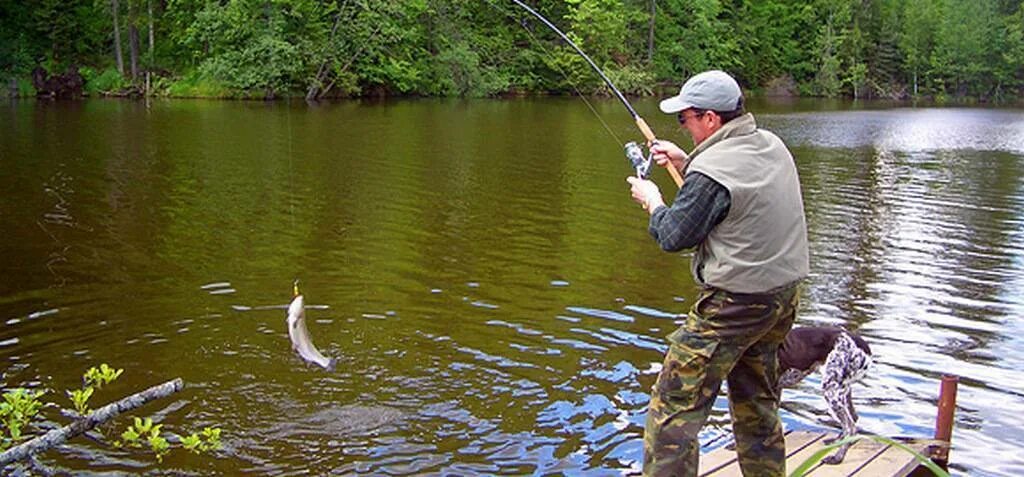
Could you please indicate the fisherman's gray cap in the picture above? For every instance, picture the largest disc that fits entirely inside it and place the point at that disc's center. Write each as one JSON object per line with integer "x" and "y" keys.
{"x": 713, "y": 90}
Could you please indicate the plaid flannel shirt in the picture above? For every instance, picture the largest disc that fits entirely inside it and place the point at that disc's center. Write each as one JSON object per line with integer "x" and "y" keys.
{"x": 698, "y": 207}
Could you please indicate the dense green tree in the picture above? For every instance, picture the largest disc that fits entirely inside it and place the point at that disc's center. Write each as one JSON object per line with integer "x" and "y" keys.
{"x": 835, "y": 25}
{"x": 599, "y": 28}
{"x": 115, "y": 15}
{"x": 966, "y": 48}
{"x": 463, "y": 60}
{"x": 917, "y": 38}
{"x": 883, "y": 60}
{"x": 1011, "y": 73}
{"x": 18, "y": 45}
{"x": 772, "y": 38}
{"x": 692, "y": 38}
{"x": 317, "y": 48}
{"x": 257, "y": 46}
{"x": 355, "y": 29}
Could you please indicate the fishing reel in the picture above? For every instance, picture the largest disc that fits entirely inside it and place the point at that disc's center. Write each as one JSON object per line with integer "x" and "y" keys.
{"x": 636, "y": 158}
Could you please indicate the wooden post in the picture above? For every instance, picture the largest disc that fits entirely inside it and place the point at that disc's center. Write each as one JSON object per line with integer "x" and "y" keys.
{"x": 944, "y": 418}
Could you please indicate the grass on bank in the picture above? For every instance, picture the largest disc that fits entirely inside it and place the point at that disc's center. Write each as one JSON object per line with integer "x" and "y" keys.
{"x": 195, "y": 84}
{"x": 102, "y": 81}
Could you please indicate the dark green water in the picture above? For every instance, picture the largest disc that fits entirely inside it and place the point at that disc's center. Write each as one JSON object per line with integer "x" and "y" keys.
{"x": 480, "y": 273}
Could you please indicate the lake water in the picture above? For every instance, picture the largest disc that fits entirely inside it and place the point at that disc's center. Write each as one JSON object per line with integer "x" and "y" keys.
{"x": 480, "y": 273}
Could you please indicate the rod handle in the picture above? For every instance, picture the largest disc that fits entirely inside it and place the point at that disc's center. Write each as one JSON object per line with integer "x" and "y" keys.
{"x": 649, "y": 135}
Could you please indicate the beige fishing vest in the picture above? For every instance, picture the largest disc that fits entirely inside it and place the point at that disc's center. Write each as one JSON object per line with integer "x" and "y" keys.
{"x": 762, "y": 242}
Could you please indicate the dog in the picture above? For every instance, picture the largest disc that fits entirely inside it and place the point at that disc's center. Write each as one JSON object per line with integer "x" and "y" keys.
{"x": 846, "y": 358}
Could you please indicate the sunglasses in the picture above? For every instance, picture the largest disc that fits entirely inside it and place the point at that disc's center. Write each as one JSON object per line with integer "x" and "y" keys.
{"x": 682, "y": 118}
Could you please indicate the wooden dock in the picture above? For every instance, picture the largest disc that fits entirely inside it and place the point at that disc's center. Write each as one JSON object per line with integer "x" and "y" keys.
{"x": 866, "y": 458}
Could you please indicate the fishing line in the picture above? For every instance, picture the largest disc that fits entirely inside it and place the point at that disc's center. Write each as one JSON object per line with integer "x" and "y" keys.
{"x": 291, "y": 164}
{"x": 633, "y": 151}
{"x": 564, "y": 74}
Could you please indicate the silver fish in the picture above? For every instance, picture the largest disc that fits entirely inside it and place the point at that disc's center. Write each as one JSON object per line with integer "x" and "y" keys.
{"x": 299, "y": 335}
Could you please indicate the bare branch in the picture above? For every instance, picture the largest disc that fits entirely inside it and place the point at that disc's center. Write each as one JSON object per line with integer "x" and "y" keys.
{"x": 99, "y": 416}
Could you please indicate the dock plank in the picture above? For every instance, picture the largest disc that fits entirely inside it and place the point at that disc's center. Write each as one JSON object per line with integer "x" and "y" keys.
{"x": 866, "y": 458}
{"x": 722, "y": 462}
{"x": 860, "y": 455}
{"x": 895, "y": 462}
{"x": 794, "y": 459}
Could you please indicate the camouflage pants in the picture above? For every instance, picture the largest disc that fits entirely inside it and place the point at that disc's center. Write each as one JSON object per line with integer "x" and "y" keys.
{"x": 732, "y": 337}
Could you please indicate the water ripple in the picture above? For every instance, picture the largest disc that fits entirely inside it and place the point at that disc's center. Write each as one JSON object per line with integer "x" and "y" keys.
{"x": 492, "y": 295}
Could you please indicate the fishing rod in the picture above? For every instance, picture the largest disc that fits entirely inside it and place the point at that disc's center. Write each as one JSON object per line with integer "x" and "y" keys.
{"x": 633, "y": 153}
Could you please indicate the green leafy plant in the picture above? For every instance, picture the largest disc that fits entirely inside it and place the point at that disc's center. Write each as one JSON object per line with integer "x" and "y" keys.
{"x": 196, "y": 85}
{"x": 192, "y": 443}
{"x": 103, "y": 81}
{"x": 131, "y": 438}
{"x": 159, "y": 446}
{"x": 209, "y": 440}
{"x": 80, "y": 398}
{"x": 18, "y": 408}
{"x": 144, "y": 430}
{"x": 815, "y": 458}
{"x": 98, "y": 377}
{"x": 94, "y": 378}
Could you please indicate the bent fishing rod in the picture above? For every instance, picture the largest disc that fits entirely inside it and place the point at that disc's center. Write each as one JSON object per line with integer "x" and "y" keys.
{"x": 633, "y": 152}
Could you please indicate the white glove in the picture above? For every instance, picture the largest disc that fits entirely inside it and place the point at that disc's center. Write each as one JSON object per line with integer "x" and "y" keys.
{"x": 645, "y": 193}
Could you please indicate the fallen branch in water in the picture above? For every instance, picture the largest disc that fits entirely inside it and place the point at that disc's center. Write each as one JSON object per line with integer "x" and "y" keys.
{"x": 95, "y": 418}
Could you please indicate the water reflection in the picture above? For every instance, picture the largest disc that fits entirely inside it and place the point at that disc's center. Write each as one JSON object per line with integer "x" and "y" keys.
{"x": 490, "y": 291}
{"x": 919, "y": 233}
{"x": 910, "y": 130}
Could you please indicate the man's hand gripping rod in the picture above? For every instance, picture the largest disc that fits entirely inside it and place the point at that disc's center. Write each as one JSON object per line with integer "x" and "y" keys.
{"x": 643, "y": 164}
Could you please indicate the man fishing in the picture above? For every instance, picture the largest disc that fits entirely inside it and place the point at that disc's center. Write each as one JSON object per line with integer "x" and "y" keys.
{"x": 740, "y": 205}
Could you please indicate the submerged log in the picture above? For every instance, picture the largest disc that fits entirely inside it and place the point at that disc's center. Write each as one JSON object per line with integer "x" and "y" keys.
{"x": 97, "y": 417}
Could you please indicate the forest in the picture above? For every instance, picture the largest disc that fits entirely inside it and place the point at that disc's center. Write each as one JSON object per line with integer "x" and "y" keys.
{"x": 942, "y": 50}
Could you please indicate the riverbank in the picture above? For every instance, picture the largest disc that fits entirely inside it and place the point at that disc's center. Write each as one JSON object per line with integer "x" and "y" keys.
{"x": 195, "y": 87}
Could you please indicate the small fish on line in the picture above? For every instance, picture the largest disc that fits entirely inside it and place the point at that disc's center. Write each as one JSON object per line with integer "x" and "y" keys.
{"x": 210, "y": 286}
{"x": 299, "y": 334}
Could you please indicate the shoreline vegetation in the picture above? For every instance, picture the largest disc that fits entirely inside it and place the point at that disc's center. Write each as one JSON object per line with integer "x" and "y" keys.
{"x": 941, "y": 51}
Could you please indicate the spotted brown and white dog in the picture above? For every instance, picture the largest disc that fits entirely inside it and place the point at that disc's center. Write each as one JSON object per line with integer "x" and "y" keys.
{"x": 846, "y": 358}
